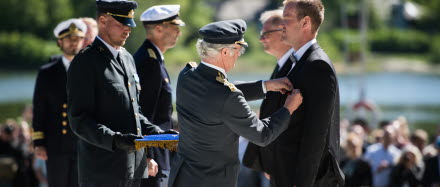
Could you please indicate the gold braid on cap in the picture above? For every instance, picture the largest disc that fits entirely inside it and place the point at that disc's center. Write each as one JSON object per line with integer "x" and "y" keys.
{"x": 129, "y": 15}
{"x": 72, "y": 29}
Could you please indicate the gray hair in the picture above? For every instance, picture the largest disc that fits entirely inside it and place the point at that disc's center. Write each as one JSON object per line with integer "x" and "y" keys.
{"x": 209, "y": 50}
{"x": 274, "y": 16}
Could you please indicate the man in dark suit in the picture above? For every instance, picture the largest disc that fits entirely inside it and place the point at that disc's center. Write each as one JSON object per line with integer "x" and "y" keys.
{"x": 307, "y": 153}
{"x": 274, "y": 45}
{"x": 161, "y": 24}
{"x": 54, "y": 141}
{"x": 102, "y": 90}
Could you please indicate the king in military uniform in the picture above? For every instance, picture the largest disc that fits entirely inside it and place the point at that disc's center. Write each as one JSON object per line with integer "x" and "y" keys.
{"x": 102, "y": 90}
{"x": 213, "y": 112}
{"x": 54, "y": 141}
{"x": 162, "y": 26}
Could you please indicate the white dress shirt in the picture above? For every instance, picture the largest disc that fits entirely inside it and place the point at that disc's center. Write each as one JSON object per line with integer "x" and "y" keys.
{"x": 298, "y": 54}
{"x": 284, "y": 58}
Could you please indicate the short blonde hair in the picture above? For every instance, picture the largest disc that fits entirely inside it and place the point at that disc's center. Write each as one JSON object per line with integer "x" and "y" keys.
{"x": 312, "y": 8}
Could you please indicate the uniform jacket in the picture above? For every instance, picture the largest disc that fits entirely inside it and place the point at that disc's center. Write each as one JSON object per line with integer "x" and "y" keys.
{"x": 50, "y": 123}
{"x": 212, "y": 115}
{"x": 274, "y": 100}
{"x": 155, "y": 97}
{"x": 102, "y": 100}
{"x": 307, "y": 153}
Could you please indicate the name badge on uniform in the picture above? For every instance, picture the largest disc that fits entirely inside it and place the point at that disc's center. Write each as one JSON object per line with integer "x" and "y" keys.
{"x": 136, "y": 79}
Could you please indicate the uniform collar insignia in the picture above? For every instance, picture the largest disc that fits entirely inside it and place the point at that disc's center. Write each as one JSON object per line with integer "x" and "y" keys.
{"x": 192, "y": 64}
{"x": 221, "y": 78}
{"x": 151, "y": 53}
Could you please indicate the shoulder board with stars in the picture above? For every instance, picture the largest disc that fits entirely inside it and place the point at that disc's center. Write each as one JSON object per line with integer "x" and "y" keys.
{"x": 221, "y": 78}
{"x": 191, "y": 64}
{"x": 151, "y": 53}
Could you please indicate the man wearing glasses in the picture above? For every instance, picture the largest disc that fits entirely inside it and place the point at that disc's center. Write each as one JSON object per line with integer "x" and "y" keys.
{"x": 213, "y": 112}
{"x": 256, "y": 157}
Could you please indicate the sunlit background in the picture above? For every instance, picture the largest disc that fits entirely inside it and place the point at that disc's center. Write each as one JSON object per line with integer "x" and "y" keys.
{"x": 386, "y": 52}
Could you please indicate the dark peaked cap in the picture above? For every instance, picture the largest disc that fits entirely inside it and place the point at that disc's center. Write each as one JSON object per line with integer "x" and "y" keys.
{"x": 224, "y": 32}
{"x": 120, "y": 10}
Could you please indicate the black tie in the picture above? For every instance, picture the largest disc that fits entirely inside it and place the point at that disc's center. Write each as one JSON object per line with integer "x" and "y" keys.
{"x": 285, "y": 69}
{"x": 120, "y": 62}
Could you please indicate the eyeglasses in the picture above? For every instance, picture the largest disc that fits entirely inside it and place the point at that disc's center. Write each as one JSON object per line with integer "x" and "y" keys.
{"x": 241, "y": 52}
{"x": 263, "y": 35}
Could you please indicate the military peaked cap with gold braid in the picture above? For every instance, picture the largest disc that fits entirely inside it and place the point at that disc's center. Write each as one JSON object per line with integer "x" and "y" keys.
{"x": 162, "y": 14}
{"x": 120, "y": 10}
{"x": 72, "y": 26}
{"x": 225, "y": 32}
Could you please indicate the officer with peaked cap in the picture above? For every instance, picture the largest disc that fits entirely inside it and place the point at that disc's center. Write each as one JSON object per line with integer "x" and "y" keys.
{"x": 161, "y": 24}
{"x": 102, "y": 90}
{"x": 53, "y": 139}
{"x": 213, "y": 112}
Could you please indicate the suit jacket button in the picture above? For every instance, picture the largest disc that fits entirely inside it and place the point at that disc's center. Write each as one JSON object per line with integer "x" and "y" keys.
{"x": 64, "y": 114}
{"x": 64, "y": 131}
{"x": 64, "y": 105}
{"x": 129, "y": 84}
{"x": 64, "y": 123}
{"x": 132, "y": 99}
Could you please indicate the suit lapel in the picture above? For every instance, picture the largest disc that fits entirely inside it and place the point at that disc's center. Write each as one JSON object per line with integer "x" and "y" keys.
{"x": 102, "y": 48}
{"x": 301, "y": 61}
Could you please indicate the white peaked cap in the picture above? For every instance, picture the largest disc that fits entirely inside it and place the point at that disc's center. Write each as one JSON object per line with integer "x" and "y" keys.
{"x": 160, "y": 12}
{"x": 70, "y": 26}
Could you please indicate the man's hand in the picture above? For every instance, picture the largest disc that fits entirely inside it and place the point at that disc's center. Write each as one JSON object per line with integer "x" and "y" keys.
{"x": 282, "y": 85}
{"x": 40, "y": 152}
{"x": 125, "y": 141}
{"x": 267, "y": 176}
{"x": 293, "y": 101}
{"x": 152, "y": 167}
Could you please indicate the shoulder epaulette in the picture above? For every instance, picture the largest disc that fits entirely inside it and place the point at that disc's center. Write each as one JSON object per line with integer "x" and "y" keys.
{"x": 221, "y": 78}
{"x": 151, "y": 53}
{"x": 191, "y": 64}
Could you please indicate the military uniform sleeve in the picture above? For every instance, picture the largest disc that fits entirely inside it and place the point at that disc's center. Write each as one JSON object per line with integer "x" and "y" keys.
{"x": 243, "y": 121}
{"x": 148, "y": 127}
{"x": 40, "y": 110}
{"x": 251, "y": 90}
{"x": 81, "y": 90}
{"x": 319, "y": 95}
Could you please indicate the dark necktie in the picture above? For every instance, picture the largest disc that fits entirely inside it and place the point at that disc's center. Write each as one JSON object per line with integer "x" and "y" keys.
{"x": 120, "y": 62}
{"x": 285, "y": 69}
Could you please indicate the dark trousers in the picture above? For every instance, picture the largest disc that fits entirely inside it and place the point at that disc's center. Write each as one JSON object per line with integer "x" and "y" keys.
{"x": 62, "y": 170}
{"x": 125, "y": 183}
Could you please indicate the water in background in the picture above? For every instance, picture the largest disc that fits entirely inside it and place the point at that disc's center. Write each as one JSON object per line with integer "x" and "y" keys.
{"x": 417, "y": 96}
